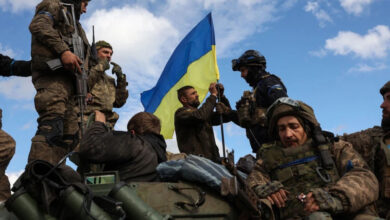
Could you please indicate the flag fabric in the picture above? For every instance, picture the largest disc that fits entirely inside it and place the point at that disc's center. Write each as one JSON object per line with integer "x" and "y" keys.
{"x": 194, "y": 63}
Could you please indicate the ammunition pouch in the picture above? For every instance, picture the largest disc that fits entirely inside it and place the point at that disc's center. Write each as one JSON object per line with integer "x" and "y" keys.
{"x": 267, "y": 189}
{"x": 326, "y": 201}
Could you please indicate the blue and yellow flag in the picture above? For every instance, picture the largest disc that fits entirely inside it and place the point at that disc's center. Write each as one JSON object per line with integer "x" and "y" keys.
{"x": 194, "y": 63}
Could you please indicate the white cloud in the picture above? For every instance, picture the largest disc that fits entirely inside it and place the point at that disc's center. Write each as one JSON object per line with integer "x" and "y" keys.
{"x": 321, "y": 15}
{"x": 141, "y": 41}
{"x": 7, "y": 51}
{"x": 375, "y": 44}
{"x": 13, "y": 176}
{"x": 27, "y": 125}
{"x": 355, "y": 7}
{"x": 368, "y": 68}
{"x": 18, "y": 5}
{"x": 318, "y": 53}
{"x": 17, "y": 88}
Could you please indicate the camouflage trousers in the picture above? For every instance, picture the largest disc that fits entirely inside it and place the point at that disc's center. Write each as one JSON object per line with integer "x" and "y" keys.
{"x": 55, "y": 98}
{"x": 7, "y": 150}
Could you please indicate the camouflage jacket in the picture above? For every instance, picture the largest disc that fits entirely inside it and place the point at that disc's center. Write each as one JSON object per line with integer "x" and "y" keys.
{"x": 372, "y": 144}
{"x": 51, "y": 36}
{"x": 357, "y": 186}
{"x": 194, "y": 131}
{"x": 7, "y": 150}
{"x": 106, "y": 94}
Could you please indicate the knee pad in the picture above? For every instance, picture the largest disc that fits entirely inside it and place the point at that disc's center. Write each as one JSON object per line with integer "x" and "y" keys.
{"x": 53, "y": 130}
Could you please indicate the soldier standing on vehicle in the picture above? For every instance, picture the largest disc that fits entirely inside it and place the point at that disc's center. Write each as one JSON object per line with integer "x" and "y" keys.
{"x": 135, "y": 153}
{"x": 266, "y": 89}
{"x": 56, "y": 36}
{"x": 193, "y": 125}
{"x": 303, "y": 173}
{"x": 373, "y": 144}
{"x": 11, "y": 67}
{"x": 103, "y": 92}
{"x": 7, "y": 151}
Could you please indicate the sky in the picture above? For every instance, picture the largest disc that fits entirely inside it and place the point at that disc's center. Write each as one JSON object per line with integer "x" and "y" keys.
{"x": 333, "y": 55}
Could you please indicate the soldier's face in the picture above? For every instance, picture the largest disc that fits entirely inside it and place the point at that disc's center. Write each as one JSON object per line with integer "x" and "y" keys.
{"x": 105, "y": 53}
{"x": 291, "y": 132}
{"x": 244, "y": 71}
{"x": 386, "y": 105}
{"x": 84, "y": 5}
{"x": 192, "y": 98}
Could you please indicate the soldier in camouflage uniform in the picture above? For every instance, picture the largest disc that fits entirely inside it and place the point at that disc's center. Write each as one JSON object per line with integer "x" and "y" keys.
{"x": 303, "y": 174}
{"x": 11, "y": 67}
{"x": 266, "y": 89}
{"x": 373, "y": 144}
{"x": 7, "y": 150}
{"x": 103, "y": 92}
{"x": 52, "y": 29}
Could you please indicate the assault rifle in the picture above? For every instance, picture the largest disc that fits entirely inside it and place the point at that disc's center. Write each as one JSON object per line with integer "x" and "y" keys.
{"x": 77, "y": 47}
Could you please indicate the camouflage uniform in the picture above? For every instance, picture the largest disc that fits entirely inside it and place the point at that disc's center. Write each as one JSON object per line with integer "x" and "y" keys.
{"x": 11, "y": 67}
{"x": 300, "y": 170}
{"x": 7, "y": 150}
{"x": 55, "y": 99}
{"x": 106, "y": 94}
{"x": 372, "y": 144}
{"x": 194, "y": 129}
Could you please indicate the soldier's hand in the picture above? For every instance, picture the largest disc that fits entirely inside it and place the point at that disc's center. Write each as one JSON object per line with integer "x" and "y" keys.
{"x": 71, "y": 61}
{"x": 310, "y": 203}
{"x": 278, "y": 198}
{"x": 213, "y": 89}
{"x": 99, "y": 116}
{"x": 221, "y": 108}
{"x": 117, "y": 70}
{"x": 89, "y": 98}
{"x": 220, "y": 88}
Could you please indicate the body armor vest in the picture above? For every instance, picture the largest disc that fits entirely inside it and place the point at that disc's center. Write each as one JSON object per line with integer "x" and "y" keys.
{"x": 298, "y": 169}
{"x": 385, "y": 181}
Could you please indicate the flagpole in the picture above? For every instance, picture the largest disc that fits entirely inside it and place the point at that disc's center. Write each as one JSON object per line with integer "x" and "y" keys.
{"x": 221, "y": 120}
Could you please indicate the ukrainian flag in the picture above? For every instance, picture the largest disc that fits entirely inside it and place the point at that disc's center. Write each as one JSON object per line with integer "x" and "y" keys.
{"x": 194, "y": 63}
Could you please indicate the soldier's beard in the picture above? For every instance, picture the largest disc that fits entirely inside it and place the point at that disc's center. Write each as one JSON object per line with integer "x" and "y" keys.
{"x": 194, "y": 104}
{"x": 385, "y": 123}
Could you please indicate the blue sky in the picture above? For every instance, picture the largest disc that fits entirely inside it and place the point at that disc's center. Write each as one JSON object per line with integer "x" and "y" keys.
{"x": 333, "y": 55}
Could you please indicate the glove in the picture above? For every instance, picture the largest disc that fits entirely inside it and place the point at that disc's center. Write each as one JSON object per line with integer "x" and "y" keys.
{"x": 243, "y": 113}
{"x": 326, "y": 201}
{"x": 222, "y": 108}
{"x": 268, "y": 189}
{"x": 117, "y": 70}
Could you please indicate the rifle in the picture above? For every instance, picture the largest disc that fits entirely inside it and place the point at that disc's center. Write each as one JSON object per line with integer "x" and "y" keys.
{"x": 77, "y": 47}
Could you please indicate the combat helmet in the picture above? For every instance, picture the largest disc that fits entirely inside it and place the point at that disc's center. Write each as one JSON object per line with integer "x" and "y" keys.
{"x": 286, "y": 106}
{"x": 385, "y": 88}
{"x": 249, "y": 58}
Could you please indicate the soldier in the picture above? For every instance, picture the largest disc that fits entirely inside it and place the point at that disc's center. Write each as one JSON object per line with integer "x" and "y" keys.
{"x": 373, "y": 145}
{"x": 304, "y": 174}
{"x": 104, "y": 94}
{"x": 7, "y": 151}
{"x": 193, "y": 125}
{"x": 11, "y": 67}
{"x": 135, "y": 153}
{"x": 56, "y": 36}
{"x": 266, "y": 89}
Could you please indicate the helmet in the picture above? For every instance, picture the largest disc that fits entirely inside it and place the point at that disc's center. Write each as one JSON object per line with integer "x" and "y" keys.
{"x": 286, "y": 106}
{"x": 249, "y": 58}
{"x": 385, "y": 88}
{"x": 103, "y": 44}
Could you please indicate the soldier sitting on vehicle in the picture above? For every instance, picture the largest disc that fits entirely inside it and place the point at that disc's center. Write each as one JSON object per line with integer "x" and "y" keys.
{"x": 135, "y": 153}
{"x": 305, "y": 174}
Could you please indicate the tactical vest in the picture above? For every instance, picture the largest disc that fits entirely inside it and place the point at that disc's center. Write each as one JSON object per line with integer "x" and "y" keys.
{"x": 298, "y": 169}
